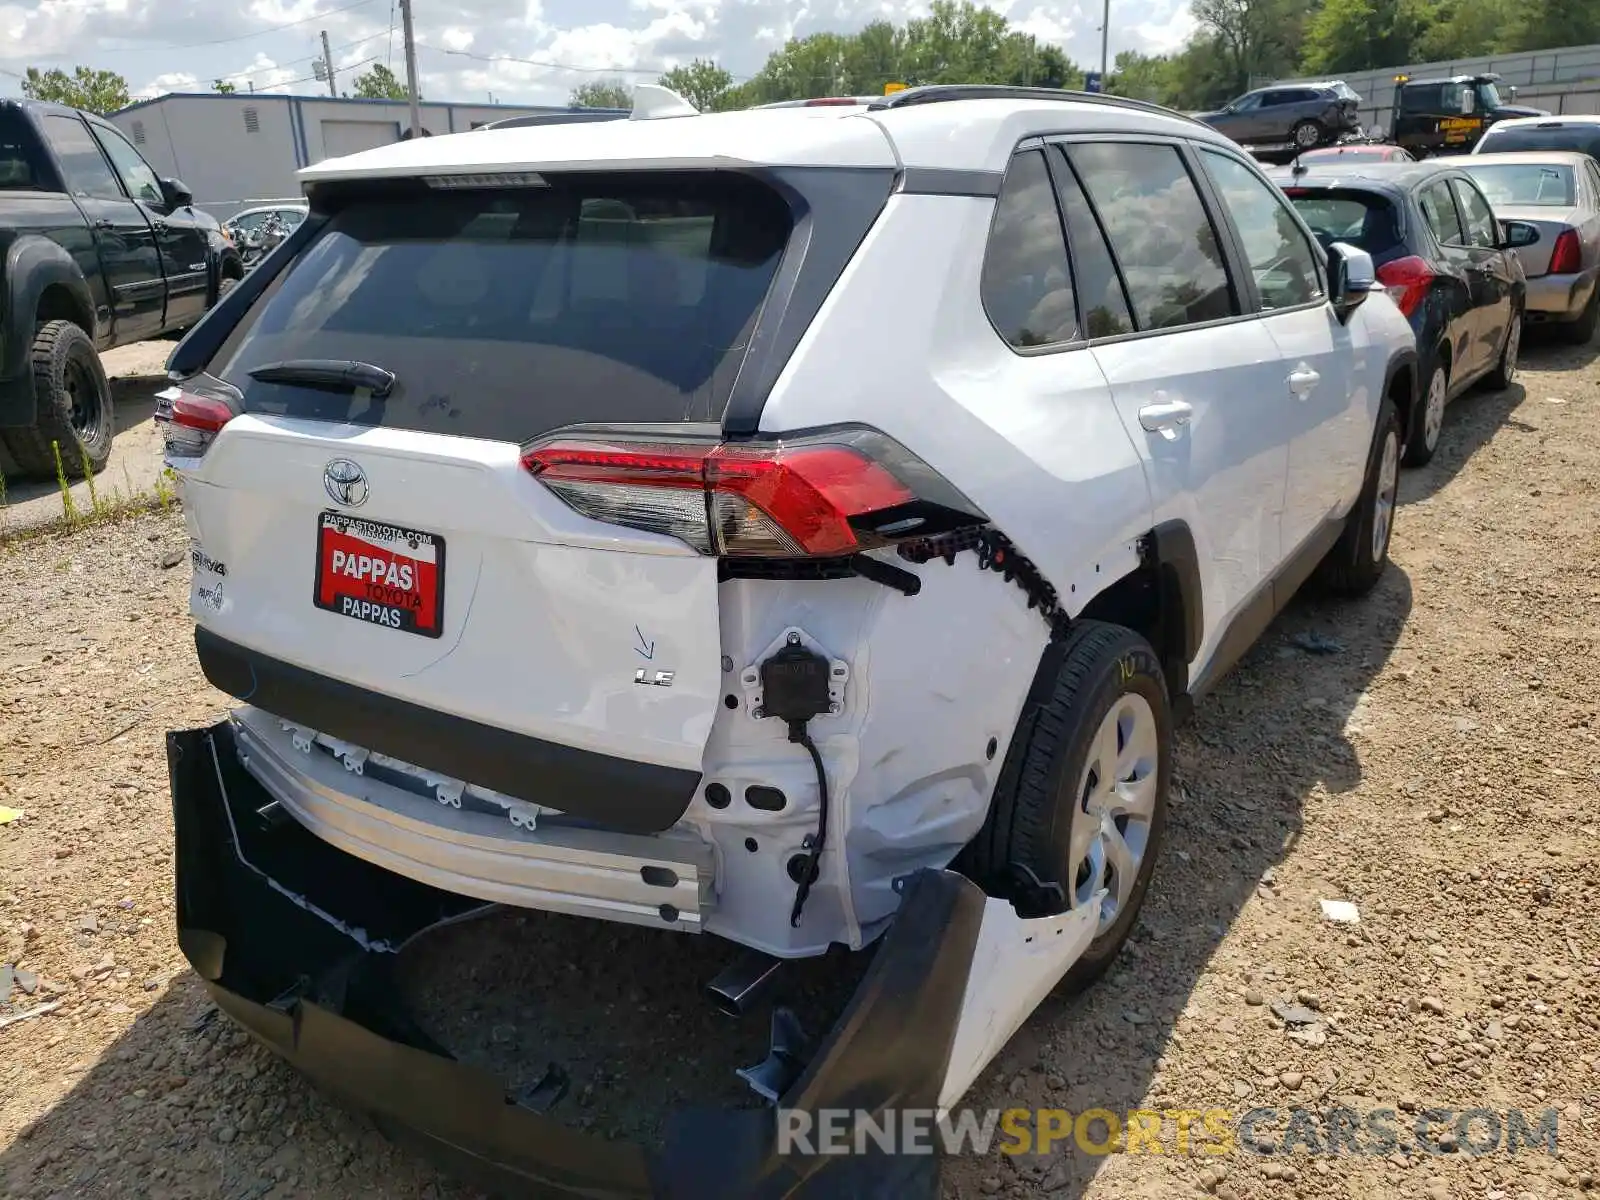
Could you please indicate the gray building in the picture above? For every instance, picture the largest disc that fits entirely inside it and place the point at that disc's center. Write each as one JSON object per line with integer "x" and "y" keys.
{"x": 243, "y": 148}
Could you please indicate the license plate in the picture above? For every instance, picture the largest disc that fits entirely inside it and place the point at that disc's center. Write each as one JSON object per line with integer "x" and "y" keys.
{"x": 382, "y": 574}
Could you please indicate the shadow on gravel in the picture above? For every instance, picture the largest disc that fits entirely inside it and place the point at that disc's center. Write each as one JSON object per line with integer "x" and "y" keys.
{"x": 1473, "y": 419}
{"x": 1266, "y": 753}
{"x": 185, "y": 1105}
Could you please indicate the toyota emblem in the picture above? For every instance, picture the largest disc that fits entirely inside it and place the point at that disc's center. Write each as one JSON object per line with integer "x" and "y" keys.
{"x": 345, "y": 483}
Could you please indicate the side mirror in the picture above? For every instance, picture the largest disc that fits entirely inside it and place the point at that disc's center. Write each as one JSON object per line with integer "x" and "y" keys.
{"x": 176, "y": 194}
{"x": 1351, "y": 278}
{"x": 1516, "y": 234}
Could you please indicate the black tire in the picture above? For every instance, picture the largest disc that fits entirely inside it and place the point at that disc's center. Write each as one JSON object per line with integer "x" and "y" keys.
{"x": 1505, "y": 370}
{"x": 1581, "y": 332}
{"x": 1307, "y": 135}
{"x": 1418, "y": 452}
{"x": 72, "y": 406}
{"x": 1355, "y": 564}
{"x": 1030, "y": 817}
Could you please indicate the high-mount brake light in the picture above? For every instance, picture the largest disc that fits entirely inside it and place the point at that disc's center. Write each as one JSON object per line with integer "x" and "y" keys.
{"x": 1407, "y": 281}
{"x": 1566, "y": 256}
{"x": 190, "y": 422}
{"x": 832, "y": 101}
{"x": 817, "y": 496}
{"x": 489, "y": 179}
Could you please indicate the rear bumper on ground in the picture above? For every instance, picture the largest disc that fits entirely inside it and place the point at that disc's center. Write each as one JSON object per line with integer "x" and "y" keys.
{"x": 1560, "y": 297}
{"x": 295, "y": 940}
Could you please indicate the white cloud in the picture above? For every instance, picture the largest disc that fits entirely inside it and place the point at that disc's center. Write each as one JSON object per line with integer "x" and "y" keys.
{"x": 467, "y": 47}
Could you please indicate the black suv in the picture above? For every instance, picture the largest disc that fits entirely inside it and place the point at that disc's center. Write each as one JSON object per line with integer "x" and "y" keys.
{"x": 1298, "y": 115}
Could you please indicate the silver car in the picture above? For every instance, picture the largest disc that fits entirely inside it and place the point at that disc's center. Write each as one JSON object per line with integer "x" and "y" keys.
{"x": 1559, "y": 192}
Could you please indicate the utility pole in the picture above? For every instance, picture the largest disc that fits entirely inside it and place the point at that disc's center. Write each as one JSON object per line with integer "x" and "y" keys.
{"x": 411, "y": 68}
{"x": 1105, "y": 42}
{"x": 327, "y": 60}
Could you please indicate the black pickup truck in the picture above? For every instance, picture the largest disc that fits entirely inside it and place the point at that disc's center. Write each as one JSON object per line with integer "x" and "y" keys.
{"x": 96, "y": 251}
{"x": 1448, "y": 116}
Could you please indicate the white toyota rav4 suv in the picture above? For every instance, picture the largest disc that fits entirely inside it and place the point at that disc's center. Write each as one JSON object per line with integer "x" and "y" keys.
{"x": 801, "y": 526}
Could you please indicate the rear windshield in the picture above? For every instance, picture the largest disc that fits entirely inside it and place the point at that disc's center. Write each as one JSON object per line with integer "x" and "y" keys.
{"x": 1525, "y": 183}
{"x": 505, "y": 313}
{"x": 1585, "y": 139}
{"x": 1362, "y": 219}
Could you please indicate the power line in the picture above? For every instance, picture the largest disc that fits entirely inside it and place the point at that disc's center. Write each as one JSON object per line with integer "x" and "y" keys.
{"x": 304, "y": 58}
{"x": 308, "y": 78}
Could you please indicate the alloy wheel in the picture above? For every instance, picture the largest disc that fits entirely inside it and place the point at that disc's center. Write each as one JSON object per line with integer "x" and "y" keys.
{"x": 1111, "y": 823}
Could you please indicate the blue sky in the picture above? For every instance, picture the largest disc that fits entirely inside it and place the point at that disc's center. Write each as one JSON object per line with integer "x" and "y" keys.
{"x": 468, "y": 48}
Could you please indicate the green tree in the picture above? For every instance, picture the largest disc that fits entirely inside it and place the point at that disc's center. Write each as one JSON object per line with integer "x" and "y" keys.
{"x": 1356, "y": 35}
{"x": 602, "y": 93}
{"x": 93, "y": 91}
{"x": 1257, "y": 40}
{"x": 378, "y": 82}
{"x": 702, "y": 83}
{"x": 1462, "y": 29}
{"x": 1142, "y": 77}
{"x": 1546, "y": 24}
{"x": 223, "y": 86}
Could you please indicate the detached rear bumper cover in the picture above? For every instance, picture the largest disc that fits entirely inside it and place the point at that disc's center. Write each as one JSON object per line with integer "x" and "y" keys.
{"x": 295, "y": 938}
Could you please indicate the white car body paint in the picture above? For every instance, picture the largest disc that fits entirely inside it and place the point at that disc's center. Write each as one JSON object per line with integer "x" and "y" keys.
{"x": 548, "y": 614}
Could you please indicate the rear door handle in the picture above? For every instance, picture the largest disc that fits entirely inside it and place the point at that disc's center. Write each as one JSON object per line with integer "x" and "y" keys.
{"x": 160, "y": 226}
{"x": 104, "y": 223}
{"x": 1165, "y": 417}
{"x": 1302, "y": 379}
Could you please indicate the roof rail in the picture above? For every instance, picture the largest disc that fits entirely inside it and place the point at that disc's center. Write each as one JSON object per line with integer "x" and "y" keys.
{"x": 937, "y": 93}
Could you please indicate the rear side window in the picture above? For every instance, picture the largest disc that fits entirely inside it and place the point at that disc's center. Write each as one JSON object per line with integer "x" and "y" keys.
{"x": 1159, "y": 231}
{"x": 505, "y": 313}
{"x": 1422, "y": 97}
{"x": 1027, "y": 284}
{"x": 19, "y": 156}
{"x": 1362, "y": 219}
{"x": 1440, "y": 214}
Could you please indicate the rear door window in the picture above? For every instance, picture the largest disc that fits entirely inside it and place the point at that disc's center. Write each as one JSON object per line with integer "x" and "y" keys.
{"x": 1159, "y": 231}
{"x": 87, "y": 171}
{"x": 1440, "y": 213}
{"x": 1100, "y": 293}
{"x": 505, "y": 313}
{"x": 1027, "y": 283}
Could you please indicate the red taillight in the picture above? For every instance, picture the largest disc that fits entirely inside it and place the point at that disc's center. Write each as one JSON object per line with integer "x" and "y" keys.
{"x": 817, "y": 496}
{"x": 1566, "y": 258}
{"x": 191, "y": 422}
{"x": 1407, "y": 281}
{"x": 1296, "y": 192}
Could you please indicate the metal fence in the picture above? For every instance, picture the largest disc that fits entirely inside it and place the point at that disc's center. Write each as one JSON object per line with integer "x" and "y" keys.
{"x": 1564, "y": 80}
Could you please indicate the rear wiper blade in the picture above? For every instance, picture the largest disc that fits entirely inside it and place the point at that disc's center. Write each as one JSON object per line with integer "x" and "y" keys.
{"x": 342, "y": 375}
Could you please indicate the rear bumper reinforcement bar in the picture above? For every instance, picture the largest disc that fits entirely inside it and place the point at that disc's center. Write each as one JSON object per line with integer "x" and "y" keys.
{"x": 295, "y": 940}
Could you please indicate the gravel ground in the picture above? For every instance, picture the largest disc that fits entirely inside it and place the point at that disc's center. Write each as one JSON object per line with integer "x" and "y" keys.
{"x": 1436, "y": 763}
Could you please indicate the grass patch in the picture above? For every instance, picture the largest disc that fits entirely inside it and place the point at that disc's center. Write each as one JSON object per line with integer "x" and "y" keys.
{"x": 69, "y": 507}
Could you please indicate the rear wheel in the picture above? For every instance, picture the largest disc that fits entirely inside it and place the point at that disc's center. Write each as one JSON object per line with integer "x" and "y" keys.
{"x": 72, "y": 406}
{"x": 1306, "y": 135}
{"x": 1356, "y": 562}
{"x": 1505, "y": 371}
{"x": 1082, "y": 800}
{"x": 1581, "y": 331}
{"x": 1428, "y": 423}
